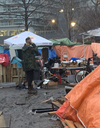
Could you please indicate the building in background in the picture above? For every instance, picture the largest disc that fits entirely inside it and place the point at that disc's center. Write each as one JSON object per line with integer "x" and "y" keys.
{"x": 12, "y": 22}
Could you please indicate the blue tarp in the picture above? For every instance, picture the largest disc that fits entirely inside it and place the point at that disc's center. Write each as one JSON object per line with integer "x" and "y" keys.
{"x": 74, "y": 59}
{"x": 40, "y": 51}
{"x": 52, "y": 53}
{"x": 17, "y": 60}
{"x": 7, "y": 52}
{"x": 1, "y": 49}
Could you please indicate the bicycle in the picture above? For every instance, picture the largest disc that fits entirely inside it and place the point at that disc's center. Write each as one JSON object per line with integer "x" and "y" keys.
{"x": 83, "y": 73}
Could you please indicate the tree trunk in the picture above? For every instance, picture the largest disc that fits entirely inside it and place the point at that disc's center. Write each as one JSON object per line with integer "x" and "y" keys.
{"x": 96, "y": 8}
{"x": 26, "y": 23}
{"x": 26, "y": 20}
{"x": 26, "y": 26}
{"x": 69, "y": 34}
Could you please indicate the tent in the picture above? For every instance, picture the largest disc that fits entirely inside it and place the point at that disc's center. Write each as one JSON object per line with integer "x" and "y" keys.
{"x": 20, "y": 39}
{"x": 66, "y": 42}
{"x": 83, "y": 102}
{"x": 94, "y": 32}
{"x": 76, "y": 50}
{"x": 89, "y": 34}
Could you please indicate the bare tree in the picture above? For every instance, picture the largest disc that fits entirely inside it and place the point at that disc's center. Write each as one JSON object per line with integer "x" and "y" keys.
{"x": 28, "y": 10}
{"x": 67, "y": 16}
{"x": 85, "y": 16}
{"x": 88, "y": 20}
{"x": 96, "y": 4}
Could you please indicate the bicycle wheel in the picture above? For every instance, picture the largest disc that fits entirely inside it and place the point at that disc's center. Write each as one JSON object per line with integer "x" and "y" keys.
{"x": 81, "y": 75}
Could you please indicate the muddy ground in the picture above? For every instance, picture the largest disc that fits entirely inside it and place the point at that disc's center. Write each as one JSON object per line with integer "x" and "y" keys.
{"x": 20, "y": 118}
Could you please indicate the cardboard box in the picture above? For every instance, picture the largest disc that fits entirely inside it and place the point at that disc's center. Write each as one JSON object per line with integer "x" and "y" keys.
{"x": 52, "y": 83}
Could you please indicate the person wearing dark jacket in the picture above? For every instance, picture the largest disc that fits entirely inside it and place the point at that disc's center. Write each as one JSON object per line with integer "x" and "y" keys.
{"x": 29, "y": 62}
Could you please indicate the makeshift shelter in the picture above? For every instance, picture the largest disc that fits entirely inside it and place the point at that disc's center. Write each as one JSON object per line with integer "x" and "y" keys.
{"x": 20, "y": 39}
{"x": 83, "y": 102}
{"x": 66, "y": 42}
{"x": 14, "y": 49}
{"x": 93, "y": 33}
{"x": 75, "y": 51}
{"x": 17, "y": 42}
{"x": 51, "y": 53}
{"x": 72, "y": 49}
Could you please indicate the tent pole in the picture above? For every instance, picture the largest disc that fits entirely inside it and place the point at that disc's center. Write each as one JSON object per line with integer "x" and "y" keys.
{"x": 83, "y": 46}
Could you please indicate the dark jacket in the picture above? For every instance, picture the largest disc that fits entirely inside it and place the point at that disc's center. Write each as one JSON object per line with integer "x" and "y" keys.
{"x": 29, "y": 62}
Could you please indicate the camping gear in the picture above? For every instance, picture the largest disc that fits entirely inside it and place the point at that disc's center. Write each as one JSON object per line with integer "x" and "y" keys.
{"x": 19, "y": 39}
{"x": 83, "y": 73}
{"x": 54, "y": 78}
{"x": 59, "y": 77}
{"x": 65, "y": 56}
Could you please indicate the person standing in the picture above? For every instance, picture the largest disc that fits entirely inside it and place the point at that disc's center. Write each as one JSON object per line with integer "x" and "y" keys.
{"x": 29, "y": 63}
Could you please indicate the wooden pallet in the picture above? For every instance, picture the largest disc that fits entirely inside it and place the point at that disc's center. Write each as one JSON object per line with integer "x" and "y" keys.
{"x": 16, "y": 73}
{"x": 2, "y": 73}
{"x": 11, "y": 73}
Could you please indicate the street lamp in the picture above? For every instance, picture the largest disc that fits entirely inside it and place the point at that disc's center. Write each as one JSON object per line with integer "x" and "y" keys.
{"x": 49, "y": 23}
{"x": 53, "y": 21}
{"x": 61, "y": 10}
{"x": 73, "y": 25}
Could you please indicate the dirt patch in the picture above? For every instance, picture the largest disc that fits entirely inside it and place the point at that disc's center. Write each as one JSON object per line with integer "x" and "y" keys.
{"x": 20, "y": 118}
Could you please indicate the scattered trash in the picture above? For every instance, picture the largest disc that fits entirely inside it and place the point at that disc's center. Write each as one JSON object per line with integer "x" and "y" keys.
{"x": 45, "y": 81}
{"x": 55, "y": 117}
{"x": 44, "y": 114}
{"x": 38, "y": 87}
{"x": 49, "y": 100}
{"x": 43, "y": 110}
{"x": 31, "y": 112}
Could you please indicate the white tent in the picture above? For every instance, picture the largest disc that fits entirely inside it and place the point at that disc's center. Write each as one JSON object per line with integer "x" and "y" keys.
{"x": 15, "y": 47}
{"x": 89, "y": 34}
{"x": 94, "y": 32}
{"x": 20, "y": 39}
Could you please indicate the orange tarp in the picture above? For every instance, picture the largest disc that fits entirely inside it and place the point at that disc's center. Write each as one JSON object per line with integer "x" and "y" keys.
{"x": 83, "y": 101}
{"x": 75, "y": 51}
{"x": 96, "y": 48}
